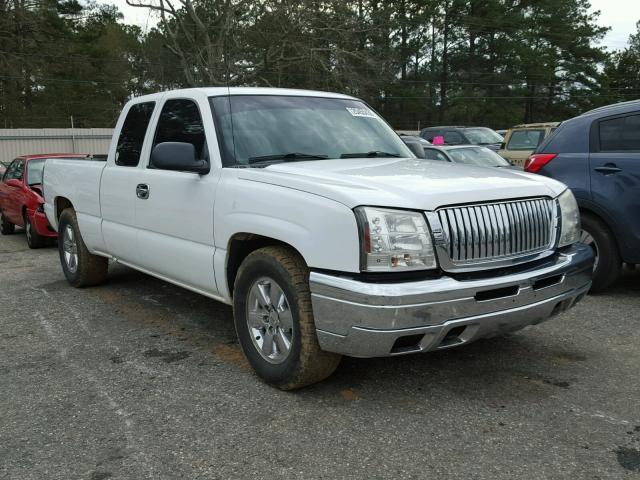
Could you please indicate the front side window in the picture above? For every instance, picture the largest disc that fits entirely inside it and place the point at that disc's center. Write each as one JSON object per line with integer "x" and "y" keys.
{"x": 255, "y": 129}
{"x": 525, "y": 139}
{"x": 620, "y": 134}
{"x": 34, "y": 171}
{"x": 180, "y": 121}
{"x": 132, "y": 134}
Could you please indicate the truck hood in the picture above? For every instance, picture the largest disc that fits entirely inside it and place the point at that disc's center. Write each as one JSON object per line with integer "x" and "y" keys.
{"x": 403, "y": 183}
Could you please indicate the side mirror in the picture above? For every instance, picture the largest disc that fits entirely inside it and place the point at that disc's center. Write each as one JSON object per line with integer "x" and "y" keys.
{"x": 178, "y": 156}
{"x": 14, "y": 183}
{"x": 417, "y": 149}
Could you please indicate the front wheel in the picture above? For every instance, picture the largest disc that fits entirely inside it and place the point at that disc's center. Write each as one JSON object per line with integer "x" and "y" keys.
{"x": 81, "y": 268}
{"x": 274, "y": 320}
{"x": 34, "y": 239}
{"x": 6, "y": 227}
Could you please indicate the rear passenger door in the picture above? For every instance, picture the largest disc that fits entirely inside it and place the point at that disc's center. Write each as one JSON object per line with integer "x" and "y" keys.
{"x": 614, "y": 164}
{"x": 175, "y": 218}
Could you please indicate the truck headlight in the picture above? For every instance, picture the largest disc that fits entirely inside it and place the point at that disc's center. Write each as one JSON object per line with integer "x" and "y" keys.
{"x": 394, "y": 240}
{"x": 569, "y": 219}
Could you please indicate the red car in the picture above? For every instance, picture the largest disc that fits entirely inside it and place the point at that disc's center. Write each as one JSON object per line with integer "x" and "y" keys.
{"x": 21, "y": 201}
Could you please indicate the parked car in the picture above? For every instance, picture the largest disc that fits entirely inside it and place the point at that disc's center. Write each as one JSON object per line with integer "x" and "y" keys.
{"x": 307, "y": 213}
{"x": 598, "y": 156}
{"x": 464, "y": 136}
{"x": 21, "y": 201}
{"x": 502, "y": 133}
{"x": 521, "y": 140}
{"x": 467, "y": 155}
{"x": 415, "y": 144}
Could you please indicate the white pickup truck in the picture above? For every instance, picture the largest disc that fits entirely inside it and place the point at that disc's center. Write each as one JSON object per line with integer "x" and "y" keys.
{"x": 307, "y": 213}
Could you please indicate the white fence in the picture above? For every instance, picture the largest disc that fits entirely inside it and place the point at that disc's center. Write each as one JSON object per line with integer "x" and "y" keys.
{"x": 28, "y": 141}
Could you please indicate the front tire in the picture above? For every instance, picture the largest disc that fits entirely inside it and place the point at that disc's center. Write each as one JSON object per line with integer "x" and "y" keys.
{"x": 34, "y": 239}
{"x": 274, "y": 320}
{"x": 608, "y": 265}
{"x": 81, "y": 268}
{"x": 6, "y": 227}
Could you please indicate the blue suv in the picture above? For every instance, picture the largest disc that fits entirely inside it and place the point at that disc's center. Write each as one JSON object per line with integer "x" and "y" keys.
{"x": 598, "y": 156}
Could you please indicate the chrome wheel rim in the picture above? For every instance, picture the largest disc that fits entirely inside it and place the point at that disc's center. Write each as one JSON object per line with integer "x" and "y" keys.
{"x": 269, "y": 320}
{"x": 587, "y": 239}
{"x": 70, "y": 249}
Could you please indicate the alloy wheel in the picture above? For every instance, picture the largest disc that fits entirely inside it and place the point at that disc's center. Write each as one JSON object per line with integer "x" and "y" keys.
{"x": 270, "y": 320}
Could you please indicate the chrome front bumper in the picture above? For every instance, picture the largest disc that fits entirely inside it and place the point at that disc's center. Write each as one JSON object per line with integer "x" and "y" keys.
{"x": 362, "y": 319}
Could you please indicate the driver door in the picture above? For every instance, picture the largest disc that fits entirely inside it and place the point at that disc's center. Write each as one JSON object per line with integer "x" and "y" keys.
{"x": 174, "y": 210}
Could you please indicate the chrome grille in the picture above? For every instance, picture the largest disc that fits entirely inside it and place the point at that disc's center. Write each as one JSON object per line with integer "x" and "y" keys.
{"x": 494, "y": 231}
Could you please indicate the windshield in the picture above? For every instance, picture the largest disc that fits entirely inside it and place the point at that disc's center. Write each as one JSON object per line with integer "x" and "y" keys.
{"x": 270, "y": 128}
{"x": 34, "y": 172}
{"x": 479, "y": 156}
{"x": 482, "y": 136}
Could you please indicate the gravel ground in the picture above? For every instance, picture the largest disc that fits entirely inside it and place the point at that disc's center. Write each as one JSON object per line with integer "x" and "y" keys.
{"x": 139, "y": 379}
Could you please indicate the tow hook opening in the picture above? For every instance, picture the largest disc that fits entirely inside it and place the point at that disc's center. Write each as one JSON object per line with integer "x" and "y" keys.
{"x": 453, "y": 337}
{"x": 407, "y": 343}
{"x": 547, "y": 282}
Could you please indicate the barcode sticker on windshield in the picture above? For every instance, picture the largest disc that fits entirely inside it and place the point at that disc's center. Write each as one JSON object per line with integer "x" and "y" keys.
{"x": 361, "y": 112}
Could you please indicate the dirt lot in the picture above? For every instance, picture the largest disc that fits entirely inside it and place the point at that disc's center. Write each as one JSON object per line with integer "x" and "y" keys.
{"x": 140, "y": 379}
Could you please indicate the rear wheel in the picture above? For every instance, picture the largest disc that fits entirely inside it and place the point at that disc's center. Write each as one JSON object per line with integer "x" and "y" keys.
{"x": 274, "y": 320}
{"x": 6, "y": 227}
{"x": 34, "y": 239}
{"x": 608, "y": 264}
{"x": 81, "y": 268}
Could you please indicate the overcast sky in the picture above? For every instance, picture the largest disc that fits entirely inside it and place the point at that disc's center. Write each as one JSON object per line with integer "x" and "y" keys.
{"x": 621, "y": 15}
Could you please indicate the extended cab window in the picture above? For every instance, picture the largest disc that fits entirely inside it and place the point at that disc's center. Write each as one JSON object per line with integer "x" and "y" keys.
{"x": 180, "y": 121}
{"x": 132, "y": 134}
{"x": 620, "y": 134}
{"x": 525, "y": 139}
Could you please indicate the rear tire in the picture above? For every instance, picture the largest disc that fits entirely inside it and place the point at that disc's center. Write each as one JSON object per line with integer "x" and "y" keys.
{"x": 6, "y": 227}
{"x": 34, "y": 239}
{"x": 81, "y": 268}
{"x": 608, "y": 265}
{"x": 272, "y": 303}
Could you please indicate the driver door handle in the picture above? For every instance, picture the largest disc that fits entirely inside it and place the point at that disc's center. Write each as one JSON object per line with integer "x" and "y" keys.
{"x": 142, "y": 191}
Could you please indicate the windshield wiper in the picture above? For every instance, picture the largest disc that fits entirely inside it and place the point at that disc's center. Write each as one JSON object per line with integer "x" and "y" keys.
{"x": 287, "y": 157}
{"x": 372, "y": 153}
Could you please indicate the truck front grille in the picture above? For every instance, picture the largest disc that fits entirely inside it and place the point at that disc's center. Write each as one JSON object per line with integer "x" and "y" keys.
{"x": 495, "y": 231}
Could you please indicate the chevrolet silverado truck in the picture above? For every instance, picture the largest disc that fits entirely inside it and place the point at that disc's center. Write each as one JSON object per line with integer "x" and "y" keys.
{"x": 308, "y": 214}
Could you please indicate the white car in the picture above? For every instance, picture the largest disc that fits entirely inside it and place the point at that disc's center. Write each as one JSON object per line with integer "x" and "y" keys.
{"x": 307, "y": 213}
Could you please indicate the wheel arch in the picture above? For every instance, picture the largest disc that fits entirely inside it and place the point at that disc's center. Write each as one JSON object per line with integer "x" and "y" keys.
{"x": 240, "y": 246}
{"x": 60, "y": 204}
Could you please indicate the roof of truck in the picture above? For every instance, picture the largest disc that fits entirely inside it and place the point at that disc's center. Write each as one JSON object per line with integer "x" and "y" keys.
{"x": 219, "y": 91}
